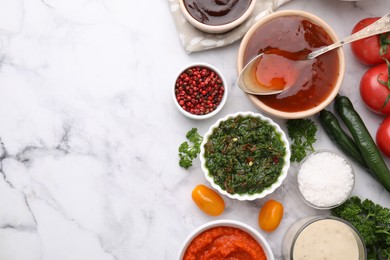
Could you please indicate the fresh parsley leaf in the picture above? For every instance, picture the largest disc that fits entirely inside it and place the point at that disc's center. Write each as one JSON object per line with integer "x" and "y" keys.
{"x": 188, "y": 151}
{"x": 373, "y": 223}
{"x": 302, "y": 133}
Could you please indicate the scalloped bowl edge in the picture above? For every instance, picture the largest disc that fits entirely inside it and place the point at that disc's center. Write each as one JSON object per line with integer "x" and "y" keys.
{"x": 265, "y": 192}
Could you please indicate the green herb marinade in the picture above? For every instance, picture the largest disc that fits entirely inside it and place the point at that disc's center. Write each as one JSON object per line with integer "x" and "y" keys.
{"x": 244, "y": 155}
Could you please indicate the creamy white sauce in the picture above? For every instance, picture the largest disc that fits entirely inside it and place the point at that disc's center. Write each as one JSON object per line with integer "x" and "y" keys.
{"x": 326, "y": 239}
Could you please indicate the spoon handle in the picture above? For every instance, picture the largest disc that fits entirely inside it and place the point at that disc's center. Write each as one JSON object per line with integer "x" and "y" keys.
{"x": 380, "y": 26}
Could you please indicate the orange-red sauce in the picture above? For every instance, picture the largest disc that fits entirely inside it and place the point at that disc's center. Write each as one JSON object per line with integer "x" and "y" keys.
{"x": 290, "y": 39}
{"x": 224, "y": 243}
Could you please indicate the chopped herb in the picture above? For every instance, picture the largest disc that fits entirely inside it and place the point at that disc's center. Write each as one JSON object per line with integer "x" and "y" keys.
{"x": 302, "y": 133}
{"x": 189, "y": 151}
{"x": 244, "y": 155}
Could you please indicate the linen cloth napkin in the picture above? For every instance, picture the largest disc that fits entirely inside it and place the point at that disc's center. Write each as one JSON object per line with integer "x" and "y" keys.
{"x": 194, "y": 40}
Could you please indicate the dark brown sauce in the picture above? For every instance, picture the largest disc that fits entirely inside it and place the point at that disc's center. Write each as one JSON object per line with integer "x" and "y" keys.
{"x": 287, "y": 41}
{"x": 216, "y": 12}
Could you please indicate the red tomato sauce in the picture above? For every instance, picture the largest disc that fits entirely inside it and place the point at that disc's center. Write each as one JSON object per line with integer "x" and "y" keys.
{"x": 224, "y": 243}
{"x": 294, "y": 37}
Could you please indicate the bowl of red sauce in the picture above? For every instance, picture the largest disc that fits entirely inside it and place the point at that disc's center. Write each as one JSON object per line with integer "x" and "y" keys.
{"x": 286, "y": 38}
{"x": 226, "y": 239}
{"x": 217, "y": 16}
{"x": 199, "y": 90}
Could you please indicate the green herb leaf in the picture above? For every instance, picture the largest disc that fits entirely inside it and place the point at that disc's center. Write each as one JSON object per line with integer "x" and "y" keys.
{"x": 302, "y": 133}
{"x": 372, "y": 222}
{"x": 244, "y": 155}
{"x": 189, "y": 151}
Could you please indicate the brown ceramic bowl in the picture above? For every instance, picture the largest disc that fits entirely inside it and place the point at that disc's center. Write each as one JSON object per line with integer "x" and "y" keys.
{"x": 336, "y": 65}
{"x": 217, "y": 28}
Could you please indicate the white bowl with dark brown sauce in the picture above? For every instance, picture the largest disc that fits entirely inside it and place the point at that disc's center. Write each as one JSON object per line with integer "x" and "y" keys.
{"x": 216, "y": 16}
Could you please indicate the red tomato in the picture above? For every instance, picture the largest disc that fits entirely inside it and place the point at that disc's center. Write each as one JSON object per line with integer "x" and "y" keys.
{"x": 373, "y": 92}
{"x": 270, "y": 215}
{"x": 367, "y": 50}
{"x": 209, "y": 201}
{"x": 383, "y": 137}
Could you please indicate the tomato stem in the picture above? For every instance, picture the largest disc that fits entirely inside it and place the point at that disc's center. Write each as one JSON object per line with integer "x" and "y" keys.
{"x": 384, "y": 42}
{"x": 385, "y": 83}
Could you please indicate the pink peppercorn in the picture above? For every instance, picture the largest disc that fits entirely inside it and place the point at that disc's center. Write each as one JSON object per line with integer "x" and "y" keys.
{"x": 199, "y": 90}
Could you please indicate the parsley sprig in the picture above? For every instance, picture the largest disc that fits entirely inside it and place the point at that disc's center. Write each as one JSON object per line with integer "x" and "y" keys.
{"x": 188, "y": 151}
{"x": 373, "y": 223}
{"x": 302, "y": 133}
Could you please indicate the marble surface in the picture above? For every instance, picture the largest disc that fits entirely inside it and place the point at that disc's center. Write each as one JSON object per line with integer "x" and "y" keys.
{"x": 89, "y": 133}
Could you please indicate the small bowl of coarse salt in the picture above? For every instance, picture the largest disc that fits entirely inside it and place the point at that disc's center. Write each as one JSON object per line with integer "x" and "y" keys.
{"x": 325, "y": 179}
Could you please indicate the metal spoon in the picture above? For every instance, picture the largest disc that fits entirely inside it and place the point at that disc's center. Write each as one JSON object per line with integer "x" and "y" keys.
{"x": 246, "y": 81}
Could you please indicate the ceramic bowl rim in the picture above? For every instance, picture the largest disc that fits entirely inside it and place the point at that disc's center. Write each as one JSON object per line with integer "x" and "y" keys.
{"x": 228, "y": 223}
{"x": 220, "y": 105}
{"x": 265, "y": 192}
{"x": 332, "y": 34}
{"x": 216, "y": 28}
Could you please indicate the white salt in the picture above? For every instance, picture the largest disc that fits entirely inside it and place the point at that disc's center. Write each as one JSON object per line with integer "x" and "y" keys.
{"x": 325, "y": 179}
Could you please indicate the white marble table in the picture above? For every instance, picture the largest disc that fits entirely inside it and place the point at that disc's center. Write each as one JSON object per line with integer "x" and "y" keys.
{"x": 89, "y": 133}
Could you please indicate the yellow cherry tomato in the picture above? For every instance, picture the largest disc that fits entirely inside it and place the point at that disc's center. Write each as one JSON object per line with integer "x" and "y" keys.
{"x": 270, "y": 215}
{"x": 209, "y": 201}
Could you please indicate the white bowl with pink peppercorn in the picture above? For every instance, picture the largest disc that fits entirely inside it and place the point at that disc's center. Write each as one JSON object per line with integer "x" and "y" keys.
{"x": 199, "y": 91}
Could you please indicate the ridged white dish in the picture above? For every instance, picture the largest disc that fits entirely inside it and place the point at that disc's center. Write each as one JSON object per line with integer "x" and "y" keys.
{"x": 266, "y": 191}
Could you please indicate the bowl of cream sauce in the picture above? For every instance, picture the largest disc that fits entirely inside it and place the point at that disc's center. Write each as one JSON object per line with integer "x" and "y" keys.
{"x": 323, "y": 237}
